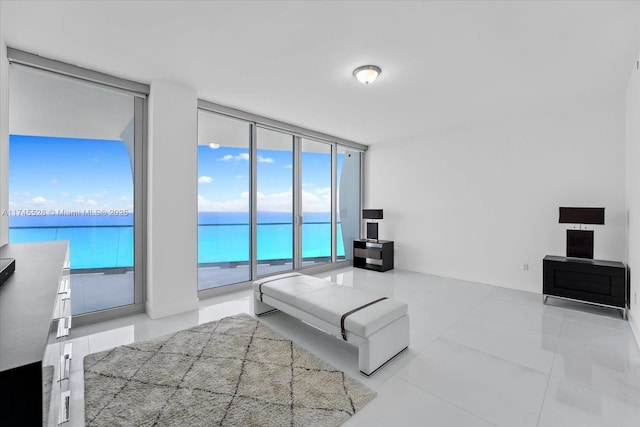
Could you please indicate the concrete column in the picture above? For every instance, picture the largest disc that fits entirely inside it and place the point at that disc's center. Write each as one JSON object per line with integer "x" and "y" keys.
{"x": 172, "y": 236}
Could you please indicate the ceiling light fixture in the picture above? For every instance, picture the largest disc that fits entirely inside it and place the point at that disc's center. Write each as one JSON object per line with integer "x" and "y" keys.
{"x": 367, "y": 73}
{"x": 214, "y": 145}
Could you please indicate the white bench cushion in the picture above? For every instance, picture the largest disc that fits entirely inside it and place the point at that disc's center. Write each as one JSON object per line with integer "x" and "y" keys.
{"x": 329, "y": 301}
{"x": 285, "y": 287}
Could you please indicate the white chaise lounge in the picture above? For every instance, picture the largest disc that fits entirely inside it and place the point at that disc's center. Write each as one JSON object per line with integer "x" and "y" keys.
{"x": 378, "y": 326}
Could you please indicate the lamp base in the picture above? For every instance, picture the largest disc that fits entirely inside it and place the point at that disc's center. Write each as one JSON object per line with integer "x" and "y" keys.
{"x": 580, "y": 244}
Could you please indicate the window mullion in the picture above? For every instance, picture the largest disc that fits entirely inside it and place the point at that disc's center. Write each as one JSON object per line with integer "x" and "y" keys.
{"x": 298, "y": 220}
{"x": 253, "y": 202}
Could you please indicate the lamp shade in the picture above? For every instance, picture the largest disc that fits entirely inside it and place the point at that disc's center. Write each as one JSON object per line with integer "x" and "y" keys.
{"x": 581, "y": 216}
{"x": 371, "y": 213}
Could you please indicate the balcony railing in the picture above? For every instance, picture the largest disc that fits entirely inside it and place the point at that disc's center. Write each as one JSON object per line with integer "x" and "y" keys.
{"x": 102, "y": 247}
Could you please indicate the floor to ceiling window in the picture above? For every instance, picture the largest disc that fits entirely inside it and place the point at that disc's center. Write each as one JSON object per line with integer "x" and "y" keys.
{"x": 271, "y": 197}
{"x": 349, "y": 186}
{"x": 223, "y": 200}
{"x": 74, "y": 147}
{"x": 316, "y": 201}
{"x": 274, "y": 201}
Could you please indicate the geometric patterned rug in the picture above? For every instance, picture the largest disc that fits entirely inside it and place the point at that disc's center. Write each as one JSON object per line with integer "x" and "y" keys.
{"x": 232, "y": 372}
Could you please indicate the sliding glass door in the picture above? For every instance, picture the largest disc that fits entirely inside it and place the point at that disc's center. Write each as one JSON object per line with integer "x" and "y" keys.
{"x": 316, "y": 202}
{"x": 223, "y": 201}
{"x": 74, "y": 174}
{"x": 349, "y": 185}
{"x": 274, "y": 201}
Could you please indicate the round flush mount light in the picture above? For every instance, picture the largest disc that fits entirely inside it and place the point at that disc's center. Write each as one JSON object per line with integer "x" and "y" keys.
{"x": 213, "y": 145}
{"x": 367, "y": 73}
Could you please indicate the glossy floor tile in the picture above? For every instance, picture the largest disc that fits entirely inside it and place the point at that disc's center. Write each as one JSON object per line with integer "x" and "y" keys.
{"x": 570, "y": 405}
{"x": 408, "y": 405}
{"x": 601, "y": 358}
{"x": 480, "y": 355}
{"x": 496, "y": 390}
{"x": 526, "y": 312}
{"x": 528, "y": 348}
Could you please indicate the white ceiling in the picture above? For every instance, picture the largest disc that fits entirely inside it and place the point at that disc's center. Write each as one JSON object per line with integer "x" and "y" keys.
{"x": 443, "y": 63}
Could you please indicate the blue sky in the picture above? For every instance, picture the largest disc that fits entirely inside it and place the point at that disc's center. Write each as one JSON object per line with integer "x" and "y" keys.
{"x": 78, "y": 174}
{"x": 223, "y": 180}
{"x": 69, "y": 173}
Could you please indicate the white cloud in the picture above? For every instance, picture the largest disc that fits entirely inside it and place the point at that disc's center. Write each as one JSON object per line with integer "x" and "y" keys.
{"x": 288, "y": 167}
{"x": 238, "y": 205}
{"x": 205, "y": 180}
{"x": 274, "y": 202}
{"x": 39, "y": 200}
{"x": 319, "y": 201}
{"x": 64, "y": 194}
{"x": 55, "y": 182}
{"x": 241, "y": 156}
{"x": 83, "y": 201}
{"x": 265, "y": 159}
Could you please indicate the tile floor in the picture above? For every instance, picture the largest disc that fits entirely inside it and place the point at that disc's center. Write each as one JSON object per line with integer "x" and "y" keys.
{"x": 480, "y": 355}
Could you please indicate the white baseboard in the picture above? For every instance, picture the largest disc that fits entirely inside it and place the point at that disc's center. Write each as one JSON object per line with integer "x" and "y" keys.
{"x": 156, "y": 312}
{"x": 634, "y": 328}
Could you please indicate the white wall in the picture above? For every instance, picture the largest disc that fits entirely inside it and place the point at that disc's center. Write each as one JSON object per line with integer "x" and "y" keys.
{"x": 4, "y": 136}
{"x": 478, "y": 202}
{"x": 172, "y": 238}
{"x": 633, "y": 195}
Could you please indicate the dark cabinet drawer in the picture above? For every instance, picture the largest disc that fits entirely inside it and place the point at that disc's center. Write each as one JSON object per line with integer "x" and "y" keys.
{"x": 600, "y": 282}
{"x": 595, "y": 283}
{"x": 368, "y": 253}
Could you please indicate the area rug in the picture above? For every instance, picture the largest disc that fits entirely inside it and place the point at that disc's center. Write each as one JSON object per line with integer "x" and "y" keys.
{"x": 232, "y": 372}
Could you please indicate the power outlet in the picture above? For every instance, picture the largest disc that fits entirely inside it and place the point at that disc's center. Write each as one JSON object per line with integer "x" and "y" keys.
{"x": 525, "y": 267}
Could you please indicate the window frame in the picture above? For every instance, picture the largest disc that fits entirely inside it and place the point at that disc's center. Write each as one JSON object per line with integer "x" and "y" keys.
{"x": 298, "y": 133}
{"x": 140, "y": 93}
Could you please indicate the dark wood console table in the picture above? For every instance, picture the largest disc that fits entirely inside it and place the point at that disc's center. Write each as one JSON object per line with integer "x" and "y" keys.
{"x": 591, "y": 281}
{"x": 372, "y": 255}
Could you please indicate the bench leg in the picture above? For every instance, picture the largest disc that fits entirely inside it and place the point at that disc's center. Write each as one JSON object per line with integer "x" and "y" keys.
{"x": 259, "y": 307}
{"x": 384, "y": 345}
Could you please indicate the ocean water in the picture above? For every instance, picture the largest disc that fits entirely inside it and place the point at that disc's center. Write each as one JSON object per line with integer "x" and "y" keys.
{"x": 104, "y": 241}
